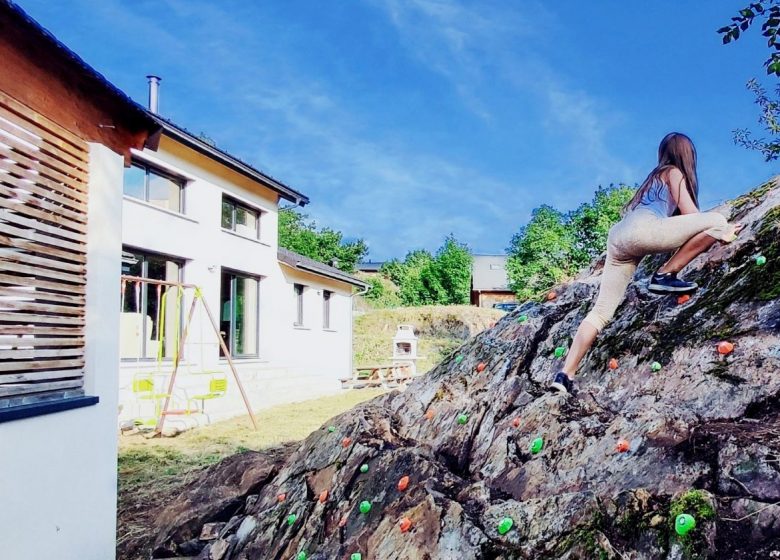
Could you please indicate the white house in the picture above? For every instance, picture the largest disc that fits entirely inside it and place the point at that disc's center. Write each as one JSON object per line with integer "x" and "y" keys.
{"x": 64, "y": 136}
{"x": 193, "y": 213}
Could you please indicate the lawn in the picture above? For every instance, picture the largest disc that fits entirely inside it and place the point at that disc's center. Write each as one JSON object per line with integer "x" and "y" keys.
{"x": 150, "y": 470}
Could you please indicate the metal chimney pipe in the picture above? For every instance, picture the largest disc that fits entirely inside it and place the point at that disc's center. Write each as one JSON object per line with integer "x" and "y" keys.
{"x": 154, "y": 93}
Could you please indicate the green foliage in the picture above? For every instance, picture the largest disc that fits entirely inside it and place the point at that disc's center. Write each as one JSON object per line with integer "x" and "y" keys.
{"x": 697, "y": 504}
{"x": 324, "y": 245}
{"x": 382, "y": 292}
{"x": 425, "y": 279}
{"x": 553, "y": 246}
{"x": 769, "y": 118}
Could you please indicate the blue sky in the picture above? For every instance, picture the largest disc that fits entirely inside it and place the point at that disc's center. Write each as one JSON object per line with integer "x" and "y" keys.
{"x": 405, "y": 121}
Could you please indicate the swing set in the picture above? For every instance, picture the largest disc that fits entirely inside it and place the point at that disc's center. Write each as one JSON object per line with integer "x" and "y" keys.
{"x": 145, "y": 383}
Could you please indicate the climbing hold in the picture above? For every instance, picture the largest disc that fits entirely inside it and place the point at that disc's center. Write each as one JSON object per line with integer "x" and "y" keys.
{"x": 281, "y": 497}
{"x": 429, "y": 414}
{"x": 343, "y": 521}
{"x": 684, "y": 523}
{"x": 493, "y": 324}
{"x": 405, "y": 524}
{"x": 463, "y": 418}
{"x": 331, "y": 429}
{"x": 725, "y": 347}
{"x": 560, "y": 351}
{"x": 551, "y": 296}
{"x": 301, "y": 556}
{"x": 537, "y": 445}
{"x": 613, "y": 363}
{"x": 356, "y": 556}
{"x": 458, "y": 359}
{"x": 480, "y": 367}
{"x": 365, "y": 506}
{"x": 345, "y": 442}
{"x": 516, "y": 422}
{"x": 683, "y": 299}
{"x": 623, "y": 446}
{"x": 403, "y": 483}
{"x": 291, "y": 518}
{"x": 323, "y": 496}
{"x": 655, "y": 366}
{"x": 760, "y": 260}
{"x": 364, "y": 468}
{"x": 522, "y": 318}
{"x": 505, "y": 525}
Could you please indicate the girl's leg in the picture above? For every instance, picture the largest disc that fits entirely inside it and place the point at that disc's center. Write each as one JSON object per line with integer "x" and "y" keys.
{"x": 692, "y": 248}
{"x": 667, "y": 234}
{"x": 583, "y": 340}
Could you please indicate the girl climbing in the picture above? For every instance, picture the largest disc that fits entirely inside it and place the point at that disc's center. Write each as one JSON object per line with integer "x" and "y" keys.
{"x": 662, "y": 216}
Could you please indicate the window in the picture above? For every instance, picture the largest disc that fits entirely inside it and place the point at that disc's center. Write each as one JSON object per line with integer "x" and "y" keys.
{"x": 496, "y": 267}
{"x": 156, "y": 187}
{"x": 239, "y": 304}
{"x": 326, "y": 295}
{"x": 142, "y": 334}
{"x": 298, "y": 304}
{"x": 240, "y": 218}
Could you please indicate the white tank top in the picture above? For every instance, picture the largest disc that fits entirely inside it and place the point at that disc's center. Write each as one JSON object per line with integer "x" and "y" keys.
{"x": 658, "y": 200}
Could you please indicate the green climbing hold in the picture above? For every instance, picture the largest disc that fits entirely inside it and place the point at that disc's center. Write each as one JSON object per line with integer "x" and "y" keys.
{"x": 301, "y": 556}
{"x": 760, "y": 260}
{"x": 560, "y": 351}
{"x": 522, "y": 318}
{"x": 365, "y": 506}
{"x": 537, "y": 445}
{"x": 505, "y": 525}
{"x": 356, "y": 556}
{"x": 364, "y": 468}
{"x": 684, "y": 523}
{"x": 291, "y": 518}
{"x": 458, "y": 359}
{"x": 655, "y": 366}
{"x": 331, "y": 429}
{"x": 463, "y": 418}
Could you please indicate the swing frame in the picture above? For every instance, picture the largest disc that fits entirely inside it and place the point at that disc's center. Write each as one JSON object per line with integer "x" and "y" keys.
{"x": 197, "y": 296}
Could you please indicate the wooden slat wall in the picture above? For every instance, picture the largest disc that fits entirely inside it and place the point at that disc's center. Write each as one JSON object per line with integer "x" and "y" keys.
{"x": 43, "y": 227}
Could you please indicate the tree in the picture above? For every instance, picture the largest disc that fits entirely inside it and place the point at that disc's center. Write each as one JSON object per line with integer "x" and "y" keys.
{"x": 453, "y": 267}
{"x": 769, "y": 12}
{"x": 590, "y": 223}
{"x": 324, "y": 245}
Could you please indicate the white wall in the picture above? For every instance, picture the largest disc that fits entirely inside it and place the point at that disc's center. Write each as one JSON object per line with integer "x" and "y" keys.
{"x": 58, "y": 486}
{"x": 293, "y": 364}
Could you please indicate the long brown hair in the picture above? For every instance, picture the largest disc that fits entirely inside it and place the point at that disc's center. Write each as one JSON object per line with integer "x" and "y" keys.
{"x": 676, "y": 150}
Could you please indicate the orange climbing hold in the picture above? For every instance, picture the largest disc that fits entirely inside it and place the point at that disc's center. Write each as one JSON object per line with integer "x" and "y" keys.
{"x": 403, "y": 483}
{"x": 345, "y": 442}
{"x": 323, "y": 496}
{"x": 281, "y": 497}
{"x": 613, "y": 364}
{"x": 429, "y": 414}
{"x": 405, "y": 524}
{"x": 682, "y": 299}
{"x": 480, "y": 367}
{"x": 725, "y": 347}
{"x": 623, "y": 446}
{"x": 551, "y": 296}
{"x": 516, "y": 422}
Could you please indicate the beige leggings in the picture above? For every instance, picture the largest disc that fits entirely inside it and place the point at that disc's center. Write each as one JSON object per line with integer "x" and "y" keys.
{"x": 641, "y": 233}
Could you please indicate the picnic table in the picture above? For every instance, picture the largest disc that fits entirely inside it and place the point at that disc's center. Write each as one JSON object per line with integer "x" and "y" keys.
{"x": 377, "y": 376}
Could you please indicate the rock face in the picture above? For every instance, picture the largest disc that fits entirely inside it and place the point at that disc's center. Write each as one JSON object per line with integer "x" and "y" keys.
{"x": 703, "y": 435}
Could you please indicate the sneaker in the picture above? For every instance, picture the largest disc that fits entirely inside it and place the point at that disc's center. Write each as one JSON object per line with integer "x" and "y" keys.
{"x": 562, "y": 383}
{"x": 668, "y": 283}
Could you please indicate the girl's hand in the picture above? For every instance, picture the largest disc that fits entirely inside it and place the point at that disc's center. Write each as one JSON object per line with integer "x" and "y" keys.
{"x": 732, "y": 230}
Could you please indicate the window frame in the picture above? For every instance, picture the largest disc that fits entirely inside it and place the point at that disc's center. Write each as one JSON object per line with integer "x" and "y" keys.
{"x": 327, "y": 296}
{"x": 236, "y": 203}
{"x": 144, "y": 296}
{"x": 299, "y": 290}
{"x": 150, "y": 168}
{"x": 231, "y": 338}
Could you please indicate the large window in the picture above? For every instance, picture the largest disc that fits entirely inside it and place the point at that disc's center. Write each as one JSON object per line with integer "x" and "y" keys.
{"x": 154, "y": 186}
{"x": 298, "y": 290}
{"x": 239, "y": 313}
{"x": 240, "y": 218}
{"x": 326, "y": 295}
{"x": 148, "y": 330}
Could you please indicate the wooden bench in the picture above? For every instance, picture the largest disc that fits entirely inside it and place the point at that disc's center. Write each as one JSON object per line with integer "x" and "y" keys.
{"x": 377, "y": 376}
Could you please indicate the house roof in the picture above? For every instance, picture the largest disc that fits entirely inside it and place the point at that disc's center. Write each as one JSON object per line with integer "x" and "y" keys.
{"x": 187, "y": 138}
{"x": 306, "y": 264}
{"x": 370, "y": 266}
{"x": 488, "y": 274}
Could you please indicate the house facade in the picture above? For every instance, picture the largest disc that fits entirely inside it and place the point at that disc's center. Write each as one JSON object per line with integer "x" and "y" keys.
{"x": 64, "y": 135}
{"x": 194, "y": 214}
{"x": 489, "y": 282}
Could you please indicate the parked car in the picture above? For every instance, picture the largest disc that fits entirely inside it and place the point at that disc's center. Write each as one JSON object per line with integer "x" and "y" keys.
{"x": 506, "y": 306}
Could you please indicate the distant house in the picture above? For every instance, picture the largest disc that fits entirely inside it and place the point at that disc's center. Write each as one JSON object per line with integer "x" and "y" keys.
{"x": 489, "y": 283}
{"x": 65, "y": 133}
{"x": 371, "y": 268}
{"x": 196, "y": 214}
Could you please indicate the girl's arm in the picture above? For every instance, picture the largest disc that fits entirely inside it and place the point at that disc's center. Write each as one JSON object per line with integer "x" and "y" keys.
{"x": 679, "y": 190}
